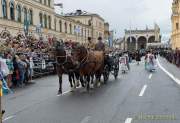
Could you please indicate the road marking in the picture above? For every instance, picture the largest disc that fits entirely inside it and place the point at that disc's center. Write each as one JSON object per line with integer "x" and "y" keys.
{"x": 168, "y": 73}
{"x": 86, "y": 119}
{"x": 8, "y": 118}
{"x": 66, "y": 92}
{"x": 150, "y": 76}
{"x": 143, "y": 90}
{"x": 128, "y": 120}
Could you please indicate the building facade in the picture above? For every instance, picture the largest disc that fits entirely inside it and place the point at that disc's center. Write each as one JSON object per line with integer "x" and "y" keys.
{"x": 175, "y": 18}
{"x": 92, "y": 20}
{"x": 39, "y": 19}
{"x": 140, "y": 39}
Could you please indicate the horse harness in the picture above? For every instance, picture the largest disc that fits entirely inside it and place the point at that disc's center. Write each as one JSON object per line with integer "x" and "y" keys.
{"x": 62, "y": 65}
{"x": 84, "y": 61}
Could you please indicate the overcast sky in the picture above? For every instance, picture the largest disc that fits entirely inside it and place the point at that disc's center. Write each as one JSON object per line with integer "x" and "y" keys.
{"x": 122, "y": 13}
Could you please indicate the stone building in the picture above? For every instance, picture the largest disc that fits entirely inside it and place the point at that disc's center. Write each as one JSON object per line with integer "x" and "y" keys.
{"x": 140, "y": 39}
{"x": 39, "y": 19}
{"x": 106, "y": 31}
{"x": 175, "y": 18}
{"x": 94, "y": 21}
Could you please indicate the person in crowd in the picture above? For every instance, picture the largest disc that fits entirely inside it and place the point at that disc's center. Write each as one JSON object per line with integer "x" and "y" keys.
{"x": 90, "y": 44}
{"x": 9, "y": 63}
{"x": 26, "y": 77}
{"x": 127, "y": 60}
{"x": 31, "y": 66}
{"x": 138, "y": 57}
{"x": 22, "y": 69}
{"x": 100, "y": 46}
{"x": 150, "y": 61}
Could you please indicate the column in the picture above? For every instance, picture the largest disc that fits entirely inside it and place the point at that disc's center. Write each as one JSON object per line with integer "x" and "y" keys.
{"x": 1, "y": 9}
{"x": 8, "y": 10}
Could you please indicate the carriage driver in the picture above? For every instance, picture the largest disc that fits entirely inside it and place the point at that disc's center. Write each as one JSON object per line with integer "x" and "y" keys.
{"x": 100, "y": 45}
{"x": 90, "y": 44}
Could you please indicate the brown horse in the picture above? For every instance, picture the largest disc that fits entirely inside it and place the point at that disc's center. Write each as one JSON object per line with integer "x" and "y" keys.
{"x": 90, "y": 63}
{"x": 64, "y": 65}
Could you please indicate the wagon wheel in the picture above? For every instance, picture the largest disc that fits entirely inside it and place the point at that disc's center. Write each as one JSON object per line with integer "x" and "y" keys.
{"x": 106, "y": 74}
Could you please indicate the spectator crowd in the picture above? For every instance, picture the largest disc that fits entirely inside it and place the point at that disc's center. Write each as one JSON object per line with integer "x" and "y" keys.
{"x": 173, "y": 56}
{"x": 16, "y": 58}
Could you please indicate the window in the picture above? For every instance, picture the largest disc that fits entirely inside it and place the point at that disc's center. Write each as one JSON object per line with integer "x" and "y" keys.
{"x": 177, "y": 26}
{"x": 85, "y": 33}
{"x": 49, "y": 3}
{"x": 11, "y": 9}
{"x": 45, "y": 21}
{"x": 49, "y": 20}
{"x": 41, "y": 19}
{"x": 82, "y": 31}
{"x": 88, "y": 33}
{"x": 25, "y": 15}
{"x": 31, "y": 17}
{"x": 60, "y": 26}
{"x": 18, "y": 13}
{"x": 45, "y": 2}
{"x": 65, "y": 27}
{"x": 70, "y": 28}
{"x": 4, "y": 8}
{"x": 40, "y": 1}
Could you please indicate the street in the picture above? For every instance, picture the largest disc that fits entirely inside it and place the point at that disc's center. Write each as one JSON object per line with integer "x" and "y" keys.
{"x": 136, "y": 97}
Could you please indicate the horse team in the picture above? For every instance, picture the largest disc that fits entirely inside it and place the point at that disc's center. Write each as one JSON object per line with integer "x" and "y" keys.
{"x": 80, "y": 64}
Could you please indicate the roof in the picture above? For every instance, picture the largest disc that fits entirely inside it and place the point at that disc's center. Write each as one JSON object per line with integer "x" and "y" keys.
{"x": 79, "y": 13}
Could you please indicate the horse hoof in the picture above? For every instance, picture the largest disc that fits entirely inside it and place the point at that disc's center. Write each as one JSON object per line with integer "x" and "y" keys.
{"x": 72, "y": 89}
{"x": 77, "y": 84}
{"x": 59, "y": 93}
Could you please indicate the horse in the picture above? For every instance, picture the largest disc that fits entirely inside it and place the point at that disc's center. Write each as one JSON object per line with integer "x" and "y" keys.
{"x": 90, "y": 63}
{"x": 64, "y": 65}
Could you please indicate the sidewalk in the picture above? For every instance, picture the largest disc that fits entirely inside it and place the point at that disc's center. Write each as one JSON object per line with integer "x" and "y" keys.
{"x": 173, "y": 69}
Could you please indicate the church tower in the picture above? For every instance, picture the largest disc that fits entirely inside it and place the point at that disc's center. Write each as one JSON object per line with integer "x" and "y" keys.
{"x": 175, "y": 18}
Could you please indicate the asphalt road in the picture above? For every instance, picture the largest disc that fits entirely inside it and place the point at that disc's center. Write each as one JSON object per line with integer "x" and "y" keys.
{"x": 136, "y": 97}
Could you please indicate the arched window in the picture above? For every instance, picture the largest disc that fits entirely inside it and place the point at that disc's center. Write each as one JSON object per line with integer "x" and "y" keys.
{"x": 49, "y": 3}
{"x": 65, "y": 27}
{"x": 40, "y": 1}
{"x": 60, "y": 26}
{"x": 41, "y": 19}
{"x": 18, "y": 13}
{"x": 70, "y": 28}
{"x": 31, "y": 17}
{"x": 11, "y": 4}
{"x": 49, "y": 21}
{"x": 4, "y": 8}
{"x": 25, "y": 15}
{"x": 45, "y": 21}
